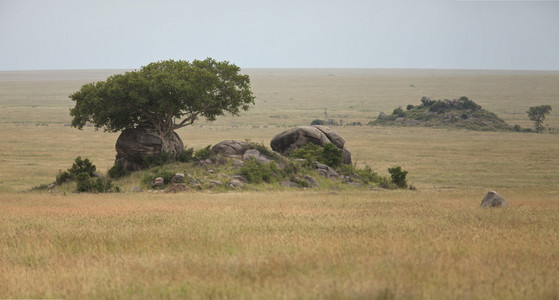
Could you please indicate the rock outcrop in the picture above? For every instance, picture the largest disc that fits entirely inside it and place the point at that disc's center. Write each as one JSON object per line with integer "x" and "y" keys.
{"x": 492, "y": 199}
{"x": 230, "y": 147}
{"x": 299, "y": 136}
{"x": 135, "y": 144}
{"x": 243, "y": 150}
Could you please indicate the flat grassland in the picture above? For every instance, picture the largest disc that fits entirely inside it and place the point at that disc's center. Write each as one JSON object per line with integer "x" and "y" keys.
{"x": 287, "y": 243}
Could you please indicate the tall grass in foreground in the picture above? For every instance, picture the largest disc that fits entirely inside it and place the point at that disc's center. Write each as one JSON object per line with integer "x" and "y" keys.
{"x": 395, "y": 244}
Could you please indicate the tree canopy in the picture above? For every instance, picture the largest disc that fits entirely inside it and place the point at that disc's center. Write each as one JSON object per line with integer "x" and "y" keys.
{"x": 537, "y": 114}
{"x": 164, "y": 96}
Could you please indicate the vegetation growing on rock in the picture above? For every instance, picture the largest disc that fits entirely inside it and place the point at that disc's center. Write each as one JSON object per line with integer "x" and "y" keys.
{"x": 458, "y": 113}
{"x": 161, "y": 98}
{"x": 209, "y": 168}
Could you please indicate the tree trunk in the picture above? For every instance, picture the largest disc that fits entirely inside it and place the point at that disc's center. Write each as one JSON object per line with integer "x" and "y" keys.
{"x": 171, "y": 143}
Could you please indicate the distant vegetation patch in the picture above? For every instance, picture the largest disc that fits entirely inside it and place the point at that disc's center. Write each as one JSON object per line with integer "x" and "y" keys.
{"x": 458, "y": 113}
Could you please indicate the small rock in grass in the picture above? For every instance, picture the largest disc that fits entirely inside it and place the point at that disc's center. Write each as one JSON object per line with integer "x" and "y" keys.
{"x": 159, "y": 181}
{"x": 492, "y": 199}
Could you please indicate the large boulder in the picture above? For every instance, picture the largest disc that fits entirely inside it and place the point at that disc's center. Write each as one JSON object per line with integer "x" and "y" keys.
{"x": 244, "y": 150}
{"x": 135, "y": 144}
{"x": 230, "y": 147}
{"x": 492, "y": 199}
{"x": 297, "y": 137}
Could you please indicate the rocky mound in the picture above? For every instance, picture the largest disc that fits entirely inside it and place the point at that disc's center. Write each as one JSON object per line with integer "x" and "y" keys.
{"x": 298, "y": 137}
{"x": 458, "y": 113}
{"x": 233, "y": 165}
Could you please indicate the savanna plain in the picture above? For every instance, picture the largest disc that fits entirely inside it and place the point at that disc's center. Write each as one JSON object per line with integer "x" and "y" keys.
{"x": 287, "y": 243}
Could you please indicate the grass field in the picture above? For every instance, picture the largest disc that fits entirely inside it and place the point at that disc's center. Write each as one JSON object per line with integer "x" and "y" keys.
{"x": 434, "y": 243}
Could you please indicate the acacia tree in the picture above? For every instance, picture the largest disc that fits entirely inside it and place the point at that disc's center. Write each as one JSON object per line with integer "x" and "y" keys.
{"x": 162, "y": 97}
{"x": 537, "y": 114}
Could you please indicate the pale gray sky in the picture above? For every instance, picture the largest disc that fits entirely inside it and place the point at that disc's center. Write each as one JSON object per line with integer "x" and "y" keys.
{"x": 450, "y": 34}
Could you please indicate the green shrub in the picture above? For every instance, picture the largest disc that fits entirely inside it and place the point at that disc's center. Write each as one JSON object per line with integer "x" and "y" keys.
{"x": 327, "y": 154}
{"x": 368, "y": 175}
{"x": 365, "y": 175}
{"x": 203, "y": 153}
{"x": 117, "y": 171}
{"x": 399, "y": 112}
{"x": 160, "y": 159}
{"x": 398, "y": 176}
{"x": 465, "y": 103}
{"x": 62, "y": 177}
{"x": 439, "y": 107}
{"x": 85, "y": 184}
{"x": 258, "y": 172}
{"x": 410, "y": 107}
{"x": 82, "y": 171}
{"x": 331, "y": 155}
{"x": 317, "y": 122}
{"x": 310, "y": 152}
{"x": 186, "y": 155}
{"x": 81, "y": 166}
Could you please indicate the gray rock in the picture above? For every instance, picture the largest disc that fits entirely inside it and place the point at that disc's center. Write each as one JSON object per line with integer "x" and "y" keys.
{"x": 235, "y": 183}
{"x": 288, "y": 183}
{"x": 310, "y": 180}
{"x": 51, "y": 186}
{"x": 334, "y": 138}
{"x": 215, "y": 182}
{"x": 240, "y": 178}
{"x": 136, "y": 189}
{"x": 159, "y": 181}
{"x": 492, "y": 199}
{"x": 238, "y": 163}
{"x": 178, "y": 188}
{"x": 230, "y": 147}
{"x": 346, "y": 156}
{"x": 253, "y": 153}
{"x": 135, "y": 144}
{"x": 298, "y": 137}
{"x": 179, "y": 177}
{"x": 326, "y": 171}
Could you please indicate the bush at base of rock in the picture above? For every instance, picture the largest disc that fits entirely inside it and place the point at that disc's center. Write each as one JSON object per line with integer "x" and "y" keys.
{"x": 298, "y": 137}
{"x": 204, "y": 153}
{"x": 257, "y": 172}
{"x": 86, "y": 183}
{"x": 117, "y": 171}
{"x": 327, "y": 154}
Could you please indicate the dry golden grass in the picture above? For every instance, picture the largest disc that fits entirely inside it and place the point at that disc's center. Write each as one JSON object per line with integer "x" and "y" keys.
{"x": 280, "y": 245}
{"x": 435, "y": 243}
